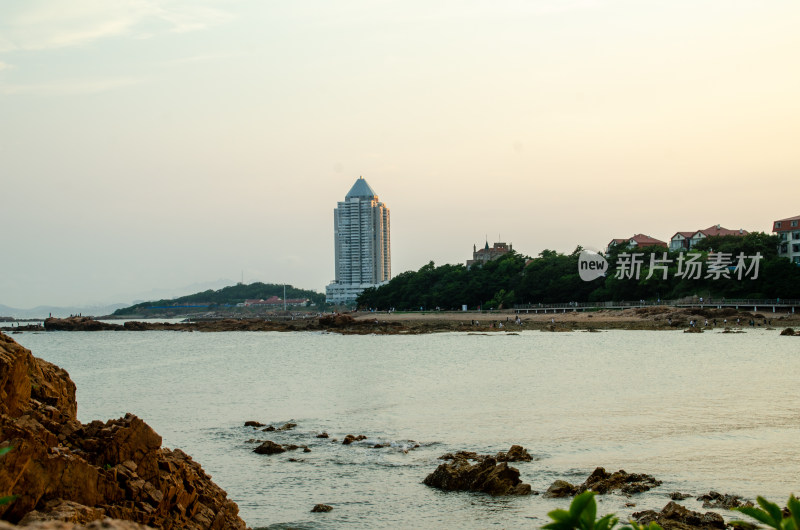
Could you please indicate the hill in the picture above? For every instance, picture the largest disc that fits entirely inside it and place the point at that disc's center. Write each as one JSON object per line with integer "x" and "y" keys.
{"x": 227, "y": 296}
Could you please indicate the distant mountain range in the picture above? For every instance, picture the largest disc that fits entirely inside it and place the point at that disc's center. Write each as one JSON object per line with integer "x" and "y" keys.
{"x": 102, "y": 309}
{"x": 44, "y": 311}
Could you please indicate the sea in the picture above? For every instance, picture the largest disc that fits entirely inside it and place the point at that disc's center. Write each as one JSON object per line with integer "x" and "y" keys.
{"x": 700, "y": 412}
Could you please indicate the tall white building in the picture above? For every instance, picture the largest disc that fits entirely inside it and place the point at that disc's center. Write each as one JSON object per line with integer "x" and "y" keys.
{"x": 363, "y": 256}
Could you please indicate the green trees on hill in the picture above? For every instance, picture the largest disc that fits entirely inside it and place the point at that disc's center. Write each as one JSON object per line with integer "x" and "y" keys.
{"x": 231, "y": 295}
{"x": 553, "y": 277}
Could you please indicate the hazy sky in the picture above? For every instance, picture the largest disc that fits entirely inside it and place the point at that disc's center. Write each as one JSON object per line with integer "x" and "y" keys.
{"x": 156, "y": 144}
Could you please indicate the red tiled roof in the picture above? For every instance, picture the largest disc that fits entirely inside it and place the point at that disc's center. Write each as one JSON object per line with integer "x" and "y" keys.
{"x": 647, "y": 241}
{"x": 718, "y": 230}
{"x": 787, "y": 225}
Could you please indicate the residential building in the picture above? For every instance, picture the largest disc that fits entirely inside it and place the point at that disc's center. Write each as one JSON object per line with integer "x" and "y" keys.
{"x": 361, "y": 242}
{"x": 274, "y": 301}
{"x": 788, "y": 230}
{"x": 638, "y": 240}
{"x": 488, "y": 254}
{"x": 688, "y": 240}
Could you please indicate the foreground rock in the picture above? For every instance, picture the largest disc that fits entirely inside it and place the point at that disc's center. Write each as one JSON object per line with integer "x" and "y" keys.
{"x": 602, "y": 482}
{"x": 105, "y": 524}
{"x": 485, "y": 476}
{"x": 675, "y": 517}
{"x": 62, "y": 469}
{"x": 712, "y": 499}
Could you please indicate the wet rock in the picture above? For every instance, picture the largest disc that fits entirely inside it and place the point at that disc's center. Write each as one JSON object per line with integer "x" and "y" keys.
{"x": 323, "y": 435}
{"x": 269, "y": 448}
{"x": 321, "y": 508}
{"x": 253, "y": 441}
{"x": 788, "y": 332}
{"x": 485, "y": 476}
{"x": 517, "y": 453}
{"x": 268, "y": 429}
{"x": 252, "y": 423}
{"x": 118, "y": 469}
{"x": 287, "y": 426}
{"x": 350, "y": 439}
{"x": 675, "y": 517}
{"x": 560, "y": 488}
{"x": 678, "y": 496}
{"x": 379, "y": 446}
{"x": 306, "y": 449}
{"x": 602, "y": 482}
{"x": 713, "y": 499}
{"x": 78, "y": 324}
{"x": 462, "y": 455}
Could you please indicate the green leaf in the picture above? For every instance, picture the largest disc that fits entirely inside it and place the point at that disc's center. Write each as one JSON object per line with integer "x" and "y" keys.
{"x": 758, "y": 515}
{"x": 559, "y": 515}
{"x": 773, "y": 509}
{"x": 4, "y": 450}
{"x": 794, "y": 509}
{"x": 583, "y": 506}
{"x": 607, "y": 522}
{"x": 6, "y": 500}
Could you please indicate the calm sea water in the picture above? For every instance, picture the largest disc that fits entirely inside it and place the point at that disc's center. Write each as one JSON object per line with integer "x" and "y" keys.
{"x": 701, "y": 412}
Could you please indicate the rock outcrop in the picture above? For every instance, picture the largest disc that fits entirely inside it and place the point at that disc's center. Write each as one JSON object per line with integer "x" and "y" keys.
{"x": 713, "y": 499}
{"x": 601, "y": 481}
{"x": 517, "y": 453}
{"x": 676, "y": 517}
{"x": 485, "y": 476}
{"x": 63, "y": 470}
{"x": 78, "y": 324}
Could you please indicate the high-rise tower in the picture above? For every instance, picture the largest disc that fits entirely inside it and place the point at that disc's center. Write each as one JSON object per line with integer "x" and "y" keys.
{"x": 361, "y": 232}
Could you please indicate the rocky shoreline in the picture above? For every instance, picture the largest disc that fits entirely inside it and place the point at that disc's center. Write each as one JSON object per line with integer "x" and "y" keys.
{"x": 59, "y": 469}
{"x": 646, "y": 318}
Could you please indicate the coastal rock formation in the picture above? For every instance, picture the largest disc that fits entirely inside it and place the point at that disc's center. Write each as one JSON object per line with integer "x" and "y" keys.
{"x": 62, "y": 469}
{"x": 78, "y": 324}
{"x": 788, "y": 332}
{"x": 104, "y": 524}
{"x": 269, "y": 448}
{"x": 713, "y": 499}
{"x": 321, "y": 508}
{"x": 675, "y": 517}
{"x": 602, "y": 482}
{"x": 517, "y": 453}
{"x": 485, "y": 476}
{"x": 350, "y": 439}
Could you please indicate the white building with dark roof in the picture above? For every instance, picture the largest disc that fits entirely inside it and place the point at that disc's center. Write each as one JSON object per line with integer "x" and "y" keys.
{"x": 789, "y": 232}
{"x": 362, "y": 249}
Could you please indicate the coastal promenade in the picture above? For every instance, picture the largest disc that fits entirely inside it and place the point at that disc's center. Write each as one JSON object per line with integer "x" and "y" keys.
{"x": 777, "y": 305}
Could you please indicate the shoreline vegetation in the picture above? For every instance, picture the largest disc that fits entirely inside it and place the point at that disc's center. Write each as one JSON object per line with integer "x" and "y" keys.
{"x": 392, "y": 323}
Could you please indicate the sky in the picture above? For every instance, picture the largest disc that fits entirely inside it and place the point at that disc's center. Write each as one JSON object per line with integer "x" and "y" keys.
{"x": 167, "y": 144}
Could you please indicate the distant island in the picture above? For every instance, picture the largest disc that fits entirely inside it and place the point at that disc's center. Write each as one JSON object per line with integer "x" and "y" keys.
{"x": 245, "y": 299}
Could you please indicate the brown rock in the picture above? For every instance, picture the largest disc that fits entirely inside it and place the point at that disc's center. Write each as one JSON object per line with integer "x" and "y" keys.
{"x": 321, "y": 508}
{"x": 713, "y": 499}
{"x": 675, "y": 517}
{"x": 788, "y": 332}
{"x": 323, "y": 435}
{"x": 560, "y": 488}
{"x": 350, "y": 439}
{"x": 517, "y": 453}
{"x": 253, "y": 423}
{"x": 601, "y": 481}
{"x": 82, "y": 473}
{"x": 78, "y": 324}
{"x": 270, "y": 448}
{"x": 486, "y": 476}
